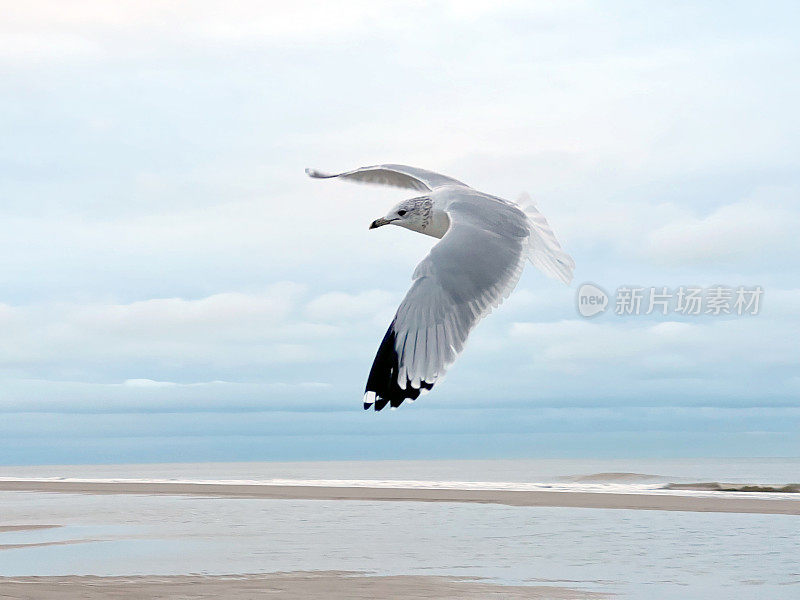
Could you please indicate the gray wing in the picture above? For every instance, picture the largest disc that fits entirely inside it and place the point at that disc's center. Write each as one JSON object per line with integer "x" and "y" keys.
{"x": 474, "y": 267}
{"x": 392, "y": 175}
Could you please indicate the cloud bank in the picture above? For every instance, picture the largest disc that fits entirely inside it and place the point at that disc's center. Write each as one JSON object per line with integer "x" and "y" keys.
{"x": 163, "y": 257}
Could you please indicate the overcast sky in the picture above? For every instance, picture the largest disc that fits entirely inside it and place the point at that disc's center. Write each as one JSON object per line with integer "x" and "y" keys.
{"x": 172, "y": 287}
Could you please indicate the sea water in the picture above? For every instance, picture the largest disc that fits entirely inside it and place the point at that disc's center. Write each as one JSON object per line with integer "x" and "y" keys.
{"x": 634, "y": 554}
{"x": 729, "y": 470}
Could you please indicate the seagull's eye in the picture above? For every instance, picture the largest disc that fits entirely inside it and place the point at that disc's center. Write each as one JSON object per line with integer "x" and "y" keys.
{"x": 402, "y": 213}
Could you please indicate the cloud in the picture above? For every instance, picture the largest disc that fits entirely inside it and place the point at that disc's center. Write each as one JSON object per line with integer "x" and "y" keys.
{"x": 741, "y": 231}
{"x": 48, "y": 30}
{"x": 711, "y": 351}
{"x": 147, "y": 395}
{"x": 148, "y": 383}
{"x": 154, "y": 198}
{"x": 220, "y": 331}
{"x": 375, "y": 305}
{"x": 279, "y": 332}
{"x": 577, "y": 346}
{"x": 231, "y": 314}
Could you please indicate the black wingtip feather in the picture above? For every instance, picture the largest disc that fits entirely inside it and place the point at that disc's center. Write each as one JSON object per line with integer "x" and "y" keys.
{"x": 382, "y": 380}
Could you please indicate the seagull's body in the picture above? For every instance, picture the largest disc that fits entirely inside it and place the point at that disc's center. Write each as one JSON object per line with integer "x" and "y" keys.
{"x": 485, "y": 242}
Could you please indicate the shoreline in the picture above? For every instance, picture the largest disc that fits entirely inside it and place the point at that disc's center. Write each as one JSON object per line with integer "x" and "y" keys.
{"x": 10, "y": 528}
{"x": 334, "y": 585}
{"x": 691, "y": 503}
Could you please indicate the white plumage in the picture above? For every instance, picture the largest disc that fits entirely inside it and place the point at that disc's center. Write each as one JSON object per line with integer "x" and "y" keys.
{"x": 485, "y": 242}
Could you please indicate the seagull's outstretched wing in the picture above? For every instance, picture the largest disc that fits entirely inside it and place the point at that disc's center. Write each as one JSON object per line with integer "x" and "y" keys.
{"x": 393, "y": 175}
{"x": 474, "y": 267}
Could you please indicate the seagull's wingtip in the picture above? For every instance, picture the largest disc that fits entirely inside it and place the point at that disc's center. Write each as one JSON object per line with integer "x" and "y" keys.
{"x": 317, "y": 174}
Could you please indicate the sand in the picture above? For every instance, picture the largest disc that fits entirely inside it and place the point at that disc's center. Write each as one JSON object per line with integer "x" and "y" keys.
{"x": 8, "y": 528}
{"x": 694, "y": 503}
{"x": 5, "y": 528}
{"x": 715, "y": 486}
{"x": 331, "y": 585}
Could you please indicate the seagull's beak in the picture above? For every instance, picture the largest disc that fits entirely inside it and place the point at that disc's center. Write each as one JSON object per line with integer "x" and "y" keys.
{"x": 379, "y": 223}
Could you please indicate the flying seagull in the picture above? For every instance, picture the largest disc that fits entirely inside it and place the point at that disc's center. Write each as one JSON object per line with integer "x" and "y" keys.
{"x": 485, "y": 242}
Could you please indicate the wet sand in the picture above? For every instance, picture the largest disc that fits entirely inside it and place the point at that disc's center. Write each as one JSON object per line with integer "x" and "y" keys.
{"x": 333, "y": 585}
{"x": 693, "y": 503}
{"x": 715, "y": 486}
{"x": 5, "y": 528}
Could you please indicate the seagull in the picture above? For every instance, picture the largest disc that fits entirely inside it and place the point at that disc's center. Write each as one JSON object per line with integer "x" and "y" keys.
{"x": 485, "y": 243}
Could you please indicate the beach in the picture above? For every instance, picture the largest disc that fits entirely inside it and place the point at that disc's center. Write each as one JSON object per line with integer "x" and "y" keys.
{"x": 734, "y": 502}
{"x": 413, "y": 529}
{"x": 291, "y": 586}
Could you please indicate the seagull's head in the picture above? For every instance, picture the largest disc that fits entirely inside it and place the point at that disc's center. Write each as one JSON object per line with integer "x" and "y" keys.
{"x": 412, "y": 214}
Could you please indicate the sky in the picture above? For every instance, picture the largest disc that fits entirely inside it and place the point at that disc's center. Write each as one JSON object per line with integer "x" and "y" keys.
{"x": 173, "y": 288}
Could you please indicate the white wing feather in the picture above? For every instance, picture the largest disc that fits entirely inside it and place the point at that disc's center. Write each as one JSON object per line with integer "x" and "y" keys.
{"x": 545, "y": 253}
{"x": 393, "y": 175}
{"x": 475, "y": 266}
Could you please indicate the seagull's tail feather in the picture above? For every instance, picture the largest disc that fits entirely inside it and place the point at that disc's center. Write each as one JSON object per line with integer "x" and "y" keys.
{"x": 544, "y": 251}
{"x": 382, "y": 387}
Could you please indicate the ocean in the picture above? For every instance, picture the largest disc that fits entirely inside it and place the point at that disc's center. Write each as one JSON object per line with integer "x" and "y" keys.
{"x": 630, "y": 553}
{"x": 550, "y": 470}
